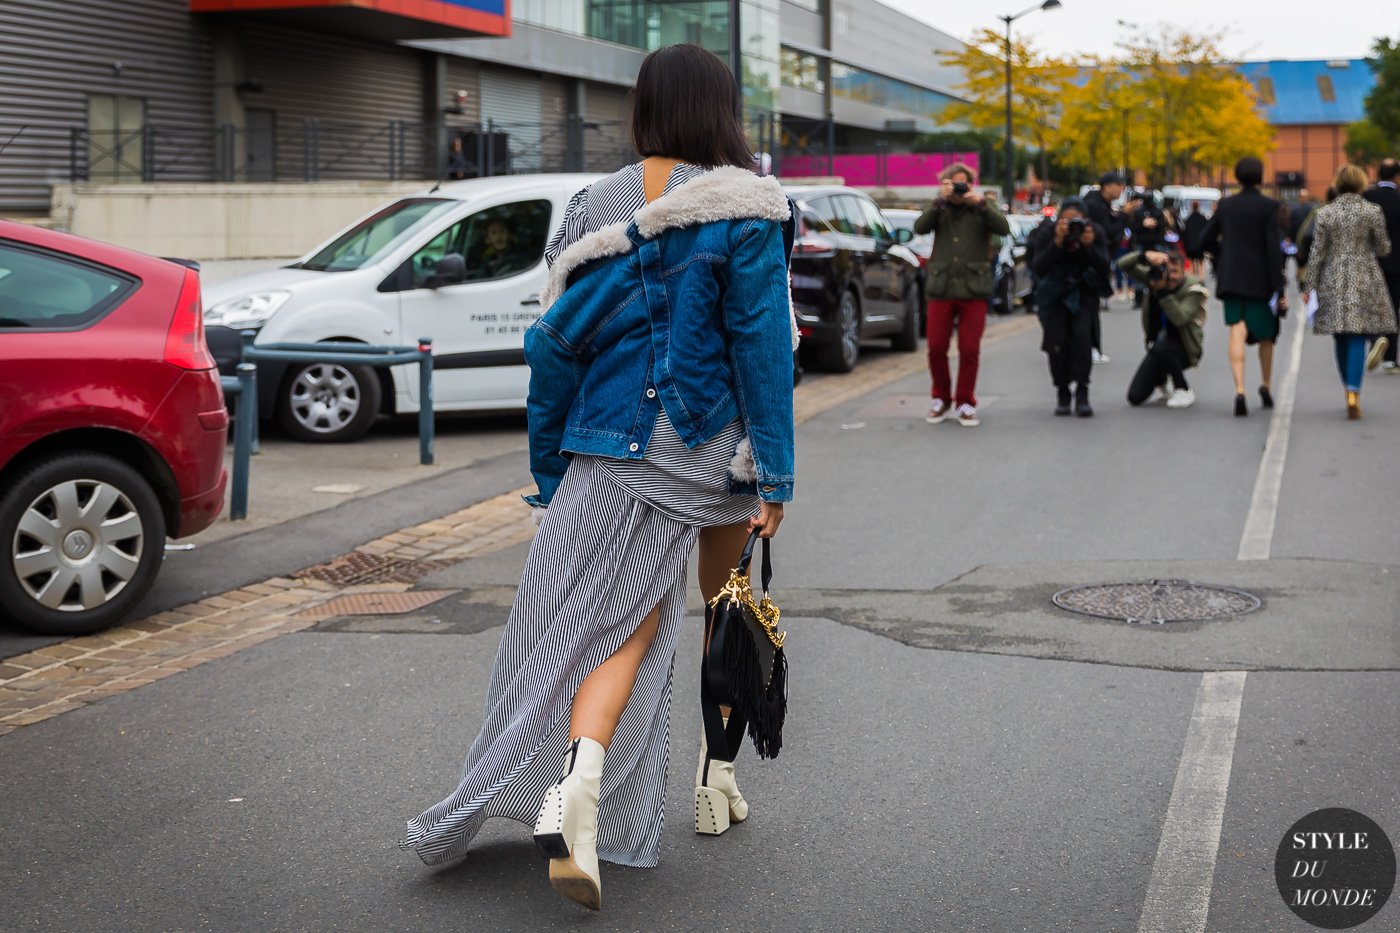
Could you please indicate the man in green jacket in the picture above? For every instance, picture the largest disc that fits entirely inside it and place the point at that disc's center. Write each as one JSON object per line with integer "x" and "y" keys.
{"x": 960, "y": 282}
{"x": 1173, "y": 318}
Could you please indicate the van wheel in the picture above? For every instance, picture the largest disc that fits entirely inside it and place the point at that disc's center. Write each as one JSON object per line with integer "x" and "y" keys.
{"x": 83, "y": 536}
{"x": 327, "y": 402}
{"x": 907, "y": 340}
{"x": 842, "y": 354}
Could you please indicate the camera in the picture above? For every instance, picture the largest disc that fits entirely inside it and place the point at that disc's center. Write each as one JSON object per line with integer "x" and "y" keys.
{"x": 960, "y": 188}
{"x": 1156, "y": 274}
{"x": 1075, "y": 230}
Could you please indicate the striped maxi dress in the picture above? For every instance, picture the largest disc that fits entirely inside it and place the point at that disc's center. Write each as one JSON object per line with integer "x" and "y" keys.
{"x": 613, "y": 544}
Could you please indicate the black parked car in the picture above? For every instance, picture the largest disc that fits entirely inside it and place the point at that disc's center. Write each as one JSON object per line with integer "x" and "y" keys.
{"x": 853, "y": 277}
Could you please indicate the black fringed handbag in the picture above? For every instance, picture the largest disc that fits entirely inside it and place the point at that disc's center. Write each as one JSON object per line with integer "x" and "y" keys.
{"x": 743, "y": 666}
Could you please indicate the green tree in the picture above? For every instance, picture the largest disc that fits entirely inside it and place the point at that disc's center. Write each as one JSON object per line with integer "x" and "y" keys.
{"x": 1378, "y": 135}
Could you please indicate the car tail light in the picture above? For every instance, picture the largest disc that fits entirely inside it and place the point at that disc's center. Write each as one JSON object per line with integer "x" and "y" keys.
{"x": 804, "y": 331}
{"x": 185, "y": 346}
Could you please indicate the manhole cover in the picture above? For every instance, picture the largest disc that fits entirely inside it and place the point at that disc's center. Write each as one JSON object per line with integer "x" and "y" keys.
{"x": 375, "y": 604}
{"x": 1154, "y": 602}
{"x": 358, "y": 567}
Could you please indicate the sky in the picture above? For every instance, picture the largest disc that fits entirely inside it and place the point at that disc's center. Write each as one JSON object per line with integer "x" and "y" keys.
{"x": 1245, "y": 29}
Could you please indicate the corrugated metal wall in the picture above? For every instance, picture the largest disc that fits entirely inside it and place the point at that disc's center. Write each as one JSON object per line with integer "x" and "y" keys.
{"x": 511, "y": 99}
{"x": 53, "y": 53}
{"x": 607, "y": 140}
{"x": 354, "y": 89}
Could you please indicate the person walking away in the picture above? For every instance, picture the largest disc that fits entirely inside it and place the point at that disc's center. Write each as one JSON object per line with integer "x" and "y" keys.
{"x": 1098, "y": 207}
{"x": 1072, "y": 266}
{"x": 1385, "y": 194}
{"x": 1245, "y": 242}
{"x": 1173, "y": 321}
{"x": 1352, "y": 304}
{"x": 960, "y": 283}
{"x": 1305, "y": 237}
{"x": 660, "y": 406}
{"x": 1191, "y": 233}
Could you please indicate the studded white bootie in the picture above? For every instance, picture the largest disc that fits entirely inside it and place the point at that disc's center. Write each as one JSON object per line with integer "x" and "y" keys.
{"x": 717, "y": 799}
{"x": 567, "y": 827}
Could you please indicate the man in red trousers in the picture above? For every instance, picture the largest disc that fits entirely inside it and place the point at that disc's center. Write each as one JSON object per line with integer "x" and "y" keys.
{"x": 960, "y": 281}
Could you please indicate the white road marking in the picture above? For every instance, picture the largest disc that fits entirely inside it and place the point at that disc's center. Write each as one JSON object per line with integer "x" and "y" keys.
{"x": 1258, "y": 537}
{"x": 1178, "y": 891}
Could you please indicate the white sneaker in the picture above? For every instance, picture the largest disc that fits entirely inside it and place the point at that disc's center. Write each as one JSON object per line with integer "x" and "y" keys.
{"x": 1378, "y": 348}
{"x": 967, "y": 416}
{"x": 1391, "y": 367}
{"x": 1182, "y": 398}
{"x": 1158, "y": 396}
{"x": 1100, "y": 357}
{"x": 937, "y": 412}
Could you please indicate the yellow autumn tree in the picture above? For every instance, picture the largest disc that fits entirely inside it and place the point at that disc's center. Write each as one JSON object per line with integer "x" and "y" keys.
{"x": 1199, "y": 111}
{"x": 1101, "y": 123}
{"x": 1038, "y": 83}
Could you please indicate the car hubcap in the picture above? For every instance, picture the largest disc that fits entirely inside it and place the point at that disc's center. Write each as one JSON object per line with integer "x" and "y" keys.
{"x": 325, "y": 398}
{"x": 850, "y": 330}
{"x": 78, "y": 545}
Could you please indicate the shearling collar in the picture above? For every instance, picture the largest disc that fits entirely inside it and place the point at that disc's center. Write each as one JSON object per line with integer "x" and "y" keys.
{"x": 726, "y": 193}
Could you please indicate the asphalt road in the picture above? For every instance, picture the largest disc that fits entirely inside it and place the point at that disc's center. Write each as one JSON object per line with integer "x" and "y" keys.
{"x": 961, "y": 755}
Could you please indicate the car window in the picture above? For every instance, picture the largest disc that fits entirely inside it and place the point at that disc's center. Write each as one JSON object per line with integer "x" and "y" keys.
{"x": 826, "y": 210}
{"x": 40, "y": 288}
{"x": 878, "y": 225}
{"x": 850, "y": 210}
{"x": 496, "y": 243}
{"x": 815, "y": 222}
{"x": 376, "y": 234}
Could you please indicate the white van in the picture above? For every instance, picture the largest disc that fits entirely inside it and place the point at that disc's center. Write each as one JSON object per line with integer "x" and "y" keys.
{"x": 1179, "y": 198}
{"x": 462, "y": 263}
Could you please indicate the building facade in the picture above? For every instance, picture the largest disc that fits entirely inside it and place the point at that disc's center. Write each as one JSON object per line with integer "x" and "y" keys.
{"x": 311, "y": 90}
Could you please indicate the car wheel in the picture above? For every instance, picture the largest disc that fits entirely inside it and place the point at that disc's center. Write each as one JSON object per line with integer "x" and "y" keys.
{"x": 1005, "y": 299}
{"x": 842, "y": 354}
{"x": 83, "y": 538}
{"x": 328, "y": 402}
{"x": 907, "y": 340}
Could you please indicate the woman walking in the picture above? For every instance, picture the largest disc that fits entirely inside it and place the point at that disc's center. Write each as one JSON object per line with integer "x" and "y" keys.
{"x": 1352, "y": 301}
{"x": 660, "y": 413}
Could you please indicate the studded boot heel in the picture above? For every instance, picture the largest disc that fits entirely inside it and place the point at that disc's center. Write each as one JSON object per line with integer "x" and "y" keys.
{"x": 567, "y": 827}
{"x": 717, "y": 799}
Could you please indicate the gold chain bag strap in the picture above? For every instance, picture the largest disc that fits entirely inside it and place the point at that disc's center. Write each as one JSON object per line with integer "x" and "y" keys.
{"x": 744, "y": 666}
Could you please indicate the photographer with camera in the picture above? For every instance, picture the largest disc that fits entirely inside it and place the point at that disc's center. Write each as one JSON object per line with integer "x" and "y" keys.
{"x": 1173, "y": 318}
{"x": 1072, "y": 269}
{"x": 960, "y": 282}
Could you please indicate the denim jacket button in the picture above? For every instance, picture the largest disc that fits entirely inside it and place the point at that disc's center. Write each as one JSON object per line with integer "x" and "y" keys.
{"x": 768, "y": 488}
{"x": 651, "y": 393}
{"x": 633, "y": 448}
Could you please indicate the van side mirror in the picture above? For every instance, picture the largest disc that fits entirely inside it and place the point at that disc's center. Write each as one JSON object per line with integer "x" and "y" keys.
{"x": 903, "y": 235}
{"x": 451, "y": 269}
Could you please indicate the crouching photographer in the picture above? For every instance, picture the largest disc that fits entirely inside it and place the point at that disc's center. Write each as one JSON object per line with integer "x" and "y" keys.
{"x": 1173, "y": 317}
{"x": 1072, "y": 273}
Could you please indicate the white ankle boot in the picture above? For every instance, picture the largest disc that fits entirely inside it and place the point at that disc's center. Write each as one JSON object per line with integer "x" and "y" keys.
{"x": 717, "y": 799}
{"x": 567, "y": 827}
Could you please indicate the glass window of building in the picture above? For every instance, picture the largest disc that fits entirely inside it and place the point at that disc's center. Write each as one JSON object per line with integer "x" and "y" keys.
{"x": 803, "y": 70}
{"x": 855, "y": 84}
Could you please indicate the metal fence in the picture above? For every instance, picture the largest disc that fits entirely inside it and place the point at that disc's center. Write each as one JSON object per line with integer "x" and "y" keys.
{"x": 325, "y": 150}
{"x": 317, "y": 150}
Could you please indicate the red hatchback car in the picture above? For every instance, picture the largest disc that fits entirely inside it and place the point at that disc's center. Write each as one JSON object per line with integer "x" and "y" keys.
{"x": 112, "y": 426}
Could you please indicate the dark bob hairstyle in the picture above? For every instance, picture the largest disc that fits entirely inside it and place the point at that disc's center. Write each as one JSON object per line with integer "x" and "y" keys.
{"x": 1249, "y": 172}
{"x": 685, "y": 106}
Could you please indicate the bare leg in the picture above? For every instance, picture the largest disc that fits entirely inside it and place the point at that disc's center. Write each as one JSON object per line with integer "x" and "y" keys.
{"x": 1266, "y": 363}
{"x": 603, "y": 695}
{"x": 1237, "y": 339}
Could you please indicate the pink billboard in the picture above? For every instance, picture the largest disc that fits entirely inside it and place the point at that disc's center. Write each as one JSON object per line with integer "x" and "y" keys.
{"x": 878, "y": 169}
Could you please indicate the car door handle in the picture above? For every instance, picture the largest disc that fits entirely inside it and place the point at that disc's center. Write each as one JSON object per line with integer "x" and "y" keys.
{"x": 532, "y": 300}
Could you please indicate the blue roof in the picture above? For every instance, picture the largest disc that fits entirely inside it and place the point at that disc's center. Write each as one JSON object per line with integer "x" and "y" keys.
{"x": 1311, "y": 92}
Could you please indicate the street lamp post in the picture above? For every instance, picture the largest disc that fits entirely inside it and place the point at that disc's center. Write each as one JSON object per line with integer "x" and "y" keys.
{"x": 1047, "y": 5}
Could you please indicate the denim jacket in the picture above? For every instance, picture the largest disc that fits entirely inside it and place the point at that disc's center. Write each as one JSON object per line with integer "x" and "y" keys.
{"x": 686, "y": 307}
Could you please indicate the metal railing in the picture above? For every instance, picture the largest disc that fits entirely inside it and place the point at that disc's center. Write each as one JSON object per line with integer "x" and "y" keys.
{"x": 244, "y": 385}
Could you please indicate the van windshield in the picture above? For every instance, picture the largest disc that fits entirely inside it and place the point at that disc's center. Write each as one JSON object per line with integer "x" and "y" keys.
{"x": 376, "y": 234}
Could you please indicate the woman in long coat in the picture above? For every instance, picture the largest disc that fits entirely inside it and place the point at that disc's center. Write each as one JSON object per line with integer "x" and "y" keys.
{"x": 1352, "y": 301}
